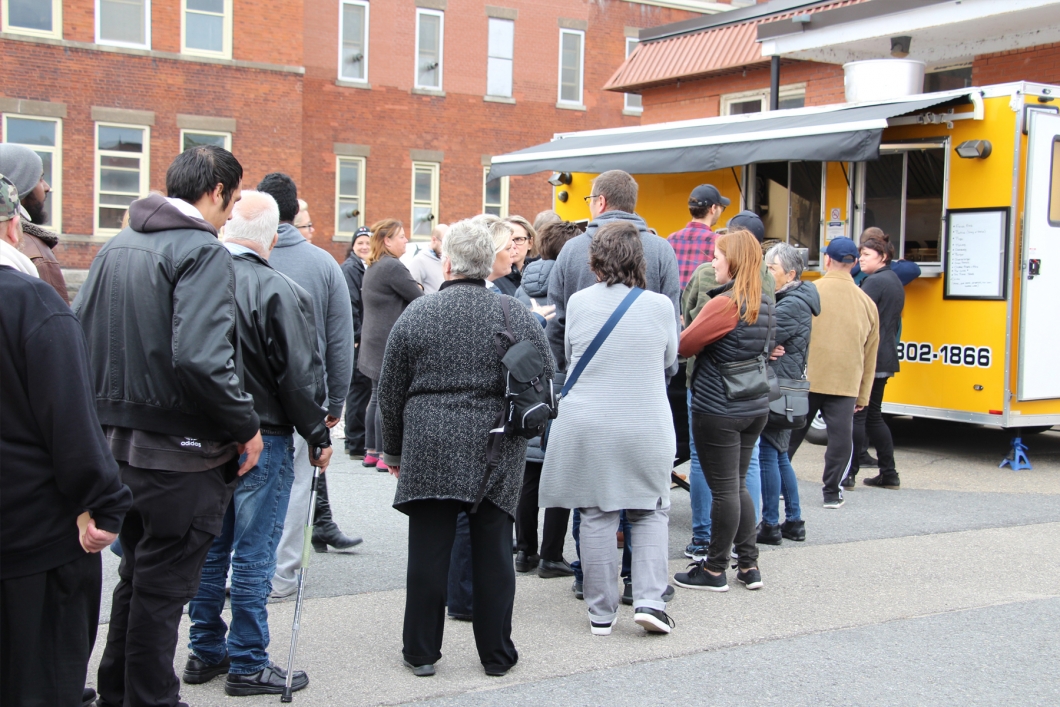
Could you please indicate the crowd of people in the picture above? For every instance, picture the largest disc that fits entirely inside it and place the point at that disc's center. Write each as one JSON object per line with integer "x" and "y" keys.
{"x": 176, "y": 409}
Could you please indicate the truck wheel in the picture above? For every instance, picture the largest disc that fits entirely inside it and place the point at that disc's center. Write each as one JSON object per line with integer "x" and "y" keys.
{"x": 1027, "y": 431}
{"x": 818, "y": 432}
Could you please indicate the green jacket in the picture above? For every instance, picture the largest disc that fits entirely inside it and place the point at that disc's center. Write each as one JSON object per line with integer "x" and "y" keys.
{"x": 695, "y": 297}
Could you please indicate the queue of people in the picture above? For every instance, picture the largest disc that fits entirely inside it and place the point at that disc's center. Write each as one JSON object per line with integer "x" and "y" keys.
{"x": 202, "y": 468}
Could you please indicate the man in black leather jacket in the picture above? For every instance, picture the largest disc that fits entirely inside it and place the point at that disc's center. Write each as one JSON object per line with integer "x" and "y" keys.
{"x": 283, "y": 371}
{"x": 158, "y": 311}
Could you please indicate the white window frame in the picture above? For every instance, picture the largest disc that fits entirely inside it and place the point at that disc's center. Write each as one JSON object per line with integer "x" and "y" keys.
{"x": 226, "y": 41}
{"x": 57, "y": 164}
{"x": 145, "y": 169}
{"x": 114, "y": 43}
{"x": 435, "y": 170}
{"x": 639, "y": 107}
{"x": 511, "y": 60}
{"x": 420, "y": 12}
{"x": 362, "y": 164}
{"x": 364, "y": 60}
{"x": 788, "y": 91}
{"x": 581, "y": 69}
{"x": 57, "y": 22}
{"x": 504, "y": 194}
{"x": 185, "y": 131}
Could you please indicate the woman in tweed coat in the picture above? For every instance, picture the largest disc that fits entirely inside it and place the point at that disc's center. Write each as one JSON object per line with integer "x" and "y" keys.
{"x": 440, "y": 393}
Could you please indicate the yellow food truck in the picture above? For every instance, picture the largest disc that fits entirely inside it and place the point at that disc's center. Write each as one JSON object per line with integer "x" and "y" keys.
{"x": 965, "y": 182}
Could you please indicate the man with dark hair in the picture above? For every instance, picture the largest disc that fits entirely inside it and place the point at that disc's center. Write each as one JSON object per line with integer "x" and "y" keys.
{"x": 694, "y": 244}
{"x": 319, "y": 274}
{"x": 159, "y": 314}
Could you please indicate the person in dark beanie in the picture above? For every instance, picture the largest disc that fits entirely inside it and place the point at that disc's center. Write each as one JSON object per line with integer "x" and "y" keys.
{"x": 360, "y": 384}
{"x": 162, "y": 291}
{"x": 61, "y": 500}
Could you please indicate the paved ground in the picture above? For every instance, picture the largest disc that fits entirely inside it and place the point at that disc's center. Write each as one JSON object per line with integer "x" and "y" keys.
{"x": 946, "y": 592}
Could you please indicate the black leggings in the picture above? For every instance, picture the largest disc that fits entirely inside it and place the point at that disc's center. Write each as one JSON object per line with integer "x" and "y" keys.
{"x": 373, "y": 423}
{"x": 725, "y": 446}
{"x": 869, "y": 425}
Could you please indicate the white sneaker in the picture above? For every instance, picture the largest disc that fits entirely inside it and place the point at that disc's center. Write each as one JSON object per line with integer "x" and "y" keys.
{"x": 601, "y": 628}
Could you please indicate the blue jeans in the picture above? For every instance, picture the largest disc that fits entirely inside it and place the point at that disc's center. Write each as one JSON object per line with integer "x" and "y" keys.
{"x": 252, "y": 527}
{"x": 698, "y": 491}
{"x": 460, "y": 593}
{"x": 754, "y": 481}
{"x": 576, "y": 531}
{"x": 777, "y": 476}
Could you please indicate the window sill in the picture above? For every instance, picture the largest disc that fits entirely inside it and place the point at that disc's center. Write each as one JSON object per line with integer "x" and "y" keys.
{"x": 437, "y": 93}
{"x": 203, "y": 54}
{"x": 80, "y": 238}
{"x": 123, "y": 45}
{"x": 570, "y": 106}
{"x": 339, "y": 238}
{"x": 36, "y": 33}
{"x": 499, "y": 99}
{"x": 633, "y": 113}
{"x": 348, "y": 83}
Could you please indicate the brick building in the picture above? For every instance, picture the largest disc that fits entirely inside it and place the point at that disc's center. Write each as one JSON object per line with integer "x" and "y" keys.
{"x": 377, "y": 108}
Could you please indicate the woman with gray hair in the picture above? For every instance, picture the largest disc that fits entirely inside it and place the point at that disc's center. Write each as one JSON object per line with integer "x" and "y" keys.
{"x": 797, "y": 305}
{"x": 440, "y": 392}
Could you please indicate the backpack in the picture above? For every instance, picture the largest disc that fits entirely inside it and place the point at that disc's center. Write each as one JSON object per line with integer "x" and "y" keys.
{"x": 529, "y": 397}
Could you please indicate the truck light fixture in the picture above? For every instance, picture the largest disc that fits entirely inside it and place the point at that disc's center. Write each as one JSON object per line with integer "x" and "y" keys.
{"x": 563, "y": 196}
{"x": 558, "y": 179}
{"x": 974, "y": 149}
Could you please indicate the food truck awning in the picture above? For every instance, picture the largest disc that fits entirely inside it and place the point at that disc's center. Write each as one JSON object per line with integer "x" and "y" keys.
{"x": 844, "y": 132}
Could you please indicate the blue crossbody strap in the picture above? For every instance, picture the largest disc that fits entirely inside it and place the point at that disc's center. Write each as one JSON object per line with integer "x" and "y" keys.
{"x": 601, "y": 336}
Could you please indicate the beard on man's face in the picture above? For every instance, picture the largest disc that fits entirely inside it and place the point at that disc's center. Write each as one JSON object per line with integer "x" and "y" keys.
{"x": 35, "y": 209}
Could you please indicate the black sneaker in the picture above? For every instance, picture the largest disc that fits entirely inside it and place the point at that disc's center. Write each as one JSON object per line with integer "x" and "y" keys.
{"x": 769, "y": 534}
{"x": 884, "y": 480}
{"x": 794, "y": 530}
{"x": 577, "y": 589}
{"x": 627, "y": 593}
{"x": 849, "y": 481}
{"x": 421, "y": 671}
{"x": 697, "y": 577}
{"x": 270, "y": 681}
{"x": 653, "y": 620}
{"x": 750, "y": 578}
{"x": 196, "y": 671}
{"x": 697, "y": 549}
{"x": 601, "y": 628}
{"x": 833, "y": 503}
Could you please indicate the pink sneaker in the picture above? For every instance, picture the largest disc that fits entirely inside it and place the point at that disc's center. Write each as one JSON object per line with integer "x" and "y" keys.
{"x": 370, "y": 460}
{"x": 380, "y": 466}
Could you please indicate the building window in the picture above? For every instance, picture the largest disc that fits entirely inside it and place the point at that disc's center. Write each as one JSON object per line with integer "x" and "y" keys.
{"x": 349, "y": 195}
{"x": 424, "y": 198}
{"x": 125, "y": 23}
{"x": 571, "y": 64}
{"x": 499, "y": 62}
{"x": 633, "y": 100}
{"x": 948, "y": 78}
{"x": 45, "y": 136}
{"x": 38, "y": 18}
{"x": 430, "y": 26}
{"x": 353, "y": 33}
{"x": 206, "y": 27}
{"x": 494, "y": 195}
{"x": 122, "y": 164}
{"x": 194, "y": 138}
{"x": 758, "y": 101}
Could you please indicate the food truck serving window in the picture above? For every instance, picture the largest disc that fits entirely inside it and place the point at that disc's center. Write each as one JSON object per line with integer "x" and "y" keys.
{"x": 787, "y": 195}
{"x": 1054, "y": 185}
{"x": 904, "y": 194}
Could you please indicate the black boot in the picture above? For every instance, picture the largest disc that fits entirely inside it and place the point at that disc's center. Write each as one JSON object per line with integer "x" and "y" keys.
{"x": 325, "y": 531}
{"x": 794, "y": 530}
{"x": 887, "y": 479}
{"x": 769, "y": 534}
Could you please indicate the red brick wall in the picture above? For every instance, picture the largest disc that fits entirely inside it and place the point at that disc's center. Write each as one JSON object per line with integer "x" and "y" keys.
{"x": 1039, "y": 64}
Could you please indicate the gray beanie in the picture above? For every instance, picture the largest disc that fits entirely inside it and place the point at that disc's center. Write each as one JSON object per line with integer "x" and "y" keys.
{"x": 22, "y": 166}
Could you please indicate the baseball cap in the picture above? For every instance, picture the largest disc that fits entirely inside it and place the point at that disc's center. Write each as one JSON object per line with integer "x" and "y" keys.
{"x": 842, "y": 250}
{"x": 362, "y": 231}
{"x": 748, "y": 221}
{"x": 9, "y": 206}
{"x": 706, "y": 195}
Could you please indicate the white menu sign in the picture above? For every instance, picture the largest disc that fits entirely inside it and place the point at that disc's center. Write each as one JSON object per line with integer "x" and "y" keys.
{"x": 975, "y": 254}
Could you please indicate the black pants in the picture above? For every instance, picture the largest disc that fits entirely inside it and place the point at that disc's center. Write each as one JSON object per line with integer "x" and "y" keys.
{"x": 725, "y": 446}
{"x": 869, "y": 426}
{"x": 553, "y": 534}
{"x": 356, "y": 410}
{"x": 48, "y": 625}
{"x": 838, "y": 413}
{"x": 373, "y": 423}
{"x": 164, "y": 539}
{"x": 432, "y": 525}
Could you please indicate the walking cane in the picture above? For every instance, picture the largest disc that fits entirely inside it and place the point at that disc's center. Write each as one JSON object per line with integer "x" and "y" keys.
{"x": 306, "y": 543}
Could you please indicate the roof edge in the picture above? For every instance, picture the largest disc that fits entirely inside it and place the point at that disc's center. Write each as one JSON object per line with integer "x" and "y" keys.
{"x": 730, "y": 17}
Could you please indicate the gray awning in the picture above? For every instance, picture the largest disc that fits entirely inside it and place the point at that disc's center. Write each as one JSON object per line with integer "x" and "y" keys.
{"x": 849, "y": 133}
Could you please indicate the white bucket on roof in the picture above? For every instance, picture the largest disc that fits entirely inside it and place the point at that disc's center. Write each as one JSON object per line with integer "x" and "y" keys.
{"x": 882, "y": 79}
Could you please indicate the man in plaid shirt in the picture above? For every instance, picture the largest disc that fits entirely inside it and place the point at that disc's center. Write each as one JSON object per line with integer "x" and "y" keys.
{"x": 694, "y": 244}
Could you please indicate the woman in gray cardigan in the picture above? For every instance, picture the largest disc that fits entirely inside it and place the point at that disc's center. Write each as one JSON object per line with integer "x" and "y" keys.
{"x": 387, "y": 289}
{"x": 612, "y": 446}
{"x": 440, "y": 392}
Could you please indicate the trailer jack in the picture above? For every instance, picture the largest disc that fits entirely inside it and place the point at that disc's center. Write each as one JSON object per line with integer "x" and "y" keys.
{"x": 1017, "y": 458}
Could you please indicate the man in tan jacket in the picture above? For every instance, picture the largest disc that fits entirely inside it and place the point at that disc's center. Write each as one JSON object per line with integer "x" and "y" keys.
{"x": 842, "y": 362}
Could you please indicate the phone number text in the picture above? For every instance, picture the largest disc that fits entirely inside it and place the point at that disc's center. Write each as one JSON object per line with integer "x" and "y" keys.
{"x": 949, "y": 354}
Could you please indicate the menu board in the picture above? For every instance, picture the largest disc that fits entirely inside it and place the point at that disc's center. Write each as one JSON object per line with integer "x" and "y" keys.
{"x": 976, "y": 253}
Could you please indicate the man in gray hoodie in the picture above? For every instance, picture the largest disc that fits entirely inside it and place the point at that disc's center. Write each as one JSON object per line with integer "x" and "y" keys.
{"x": 319, "y": 274}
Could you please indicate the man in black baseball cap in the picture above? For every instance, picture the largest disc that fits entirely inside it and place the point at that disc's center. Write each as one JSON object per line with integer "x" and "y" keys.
{"x": 694, "y": 244}
{"x": 748, "y": 221}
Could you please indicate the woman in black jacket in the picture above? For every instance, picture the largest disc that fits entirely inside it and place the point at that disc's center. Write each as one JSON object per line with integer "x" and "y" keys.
{"x": 797, "y": 304}
{"x": 360, "y": 385}
{"x": 737, "y": 324}
{"x": 886, "y": 290}
{"x": 387, "y": 289}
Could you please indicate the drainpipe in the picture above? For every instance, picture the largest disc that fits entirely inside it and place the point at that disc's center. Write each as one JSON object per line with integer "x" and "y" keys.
{"x": 774, "y": 82}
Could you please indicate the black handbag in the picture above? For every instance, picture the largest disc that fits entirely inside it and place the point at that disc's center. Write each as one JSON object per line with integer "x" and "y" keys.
{"x": 790, "y": 410}
{"x": 744, "y": 380}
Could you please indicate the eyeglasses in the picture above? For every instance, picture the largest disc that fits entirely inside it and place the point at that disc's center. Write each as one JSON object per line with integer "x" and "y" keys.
{"x": 590, "y": 197}
{"x": 519, "y": 240}
{"x": 308, "y": 225}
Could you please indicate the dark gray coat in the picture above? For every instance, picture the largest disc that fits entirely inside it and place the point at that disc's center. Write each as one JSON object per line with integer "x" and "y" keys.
{"x": 441, "y": 390}
{"x": 535, "y": 282}
{"x": 885, "y": 289}
{"x": 386, "y": 290}
{"x": 796, "y": 308}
